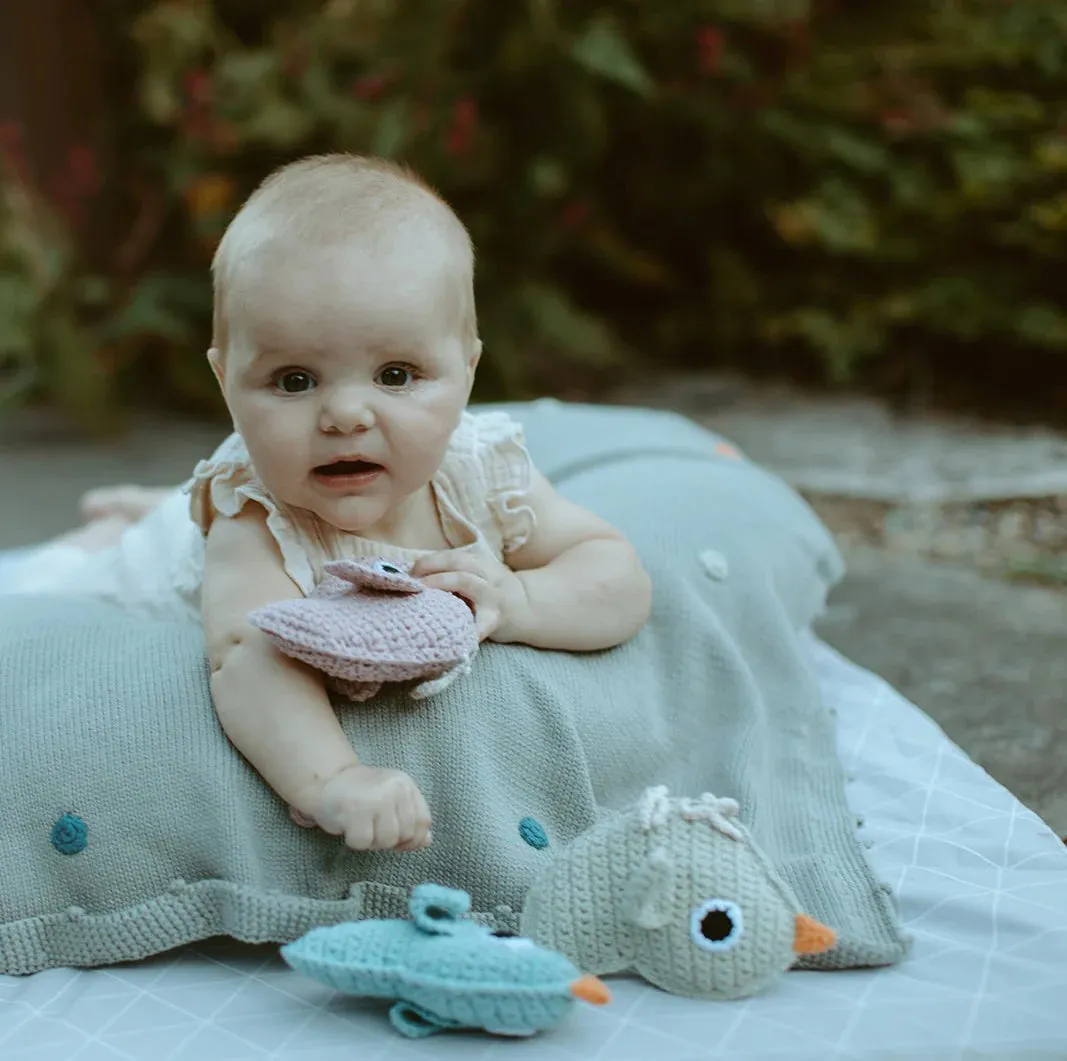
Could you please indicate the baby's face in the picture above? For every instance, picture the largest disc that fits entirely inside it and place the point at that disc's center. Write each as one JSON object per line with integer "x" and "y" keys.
{"x": 346, "y": 377}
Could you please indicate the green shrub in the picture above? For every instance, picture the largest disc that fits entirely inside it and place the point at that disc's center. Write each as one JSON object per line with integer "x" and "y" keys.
{"x": 863, "y": 188}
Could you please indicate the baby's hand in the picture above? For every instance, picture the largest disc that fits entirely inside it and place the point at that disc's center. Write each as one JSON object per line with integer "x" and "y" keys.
{"x": 492, "y": 589}
{"x": 374, "y": 810}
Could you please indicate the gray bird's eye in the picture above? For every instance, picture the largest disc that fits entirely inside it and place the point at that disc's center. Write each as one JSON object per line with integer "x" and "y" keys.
{"x": 716, "y": 925}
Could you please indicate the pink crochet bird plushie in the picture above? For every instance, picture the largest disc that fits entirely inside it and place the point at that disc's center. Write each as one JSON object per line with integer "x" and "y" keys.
{"x": 369, "y": 622}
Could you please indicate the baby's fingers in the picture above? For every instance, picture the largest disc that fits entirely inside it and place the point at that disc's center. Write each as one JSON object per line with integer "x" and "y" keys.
{"x": 406, "y": 821}
{"x": 436, "y": 563}
{"x": 414, "y": 817}
{"x": 359, "y": 831}
{"x": 472, "y": 588}
{"x": 473, "y": 562}
{"x": 486, "y": 620}
{"x": 387, "y": 828}
{"x": 423, "y": 835}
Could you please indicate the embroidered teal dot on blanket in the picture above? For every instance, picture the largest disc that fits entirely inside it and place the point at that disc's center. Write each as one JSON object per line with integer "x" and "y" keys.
{"x": 70, "y": 835}
{"x": 109, "y": 719}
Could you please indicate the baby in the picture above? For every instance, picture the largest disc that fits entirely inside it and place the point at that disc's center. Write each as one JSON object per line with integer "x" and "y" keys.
{"x": 345, "y": 344}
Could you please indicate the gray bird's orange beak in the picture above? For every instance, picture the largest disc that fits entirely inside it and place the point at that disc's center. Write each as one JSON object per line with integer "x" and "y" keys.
{"x": 811, "y": 936}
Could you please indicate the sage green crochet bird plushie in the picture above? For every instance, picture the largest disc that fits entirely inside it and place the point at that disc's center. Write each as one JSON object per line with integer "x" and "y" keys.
{"x": 676, "y": 891}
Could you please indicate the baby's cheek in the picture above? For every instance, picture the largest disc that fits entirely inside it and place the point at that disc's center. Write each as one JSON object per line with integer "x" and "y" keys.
{"x": 279, "y": 453}
{"x": 283, "y": 472}
{"x": 415, "y": 468}
{"x": 423, "y": 442}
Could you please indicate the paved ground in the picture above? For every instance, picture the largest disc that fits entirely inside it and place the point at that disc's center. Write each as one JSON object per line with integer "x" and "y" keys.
{"x": 985, "y": 658}
{"x": 44, "y": 468}
{"x": 855, "y": 446}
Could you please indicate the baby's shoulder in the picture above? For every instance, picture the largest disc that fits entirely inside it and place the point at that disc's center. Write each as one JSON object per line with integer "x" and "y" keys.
{"x": 224, "y": 483}
{"x": 487, "y": 472}
{"x": 482, "y": 438}
{"x": 229, "y": 455}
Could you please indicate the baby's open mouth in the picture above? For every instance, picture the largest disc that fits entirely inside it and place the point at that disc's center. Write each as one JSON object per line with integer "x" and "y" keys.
{"x": 341, "y": 468}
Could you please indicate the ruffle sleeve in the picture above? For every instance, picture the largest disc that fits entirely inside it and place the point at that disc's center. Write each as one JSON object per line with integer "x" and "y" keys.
{"x": 226, "y": 482}
{"x": 499, "y": 448}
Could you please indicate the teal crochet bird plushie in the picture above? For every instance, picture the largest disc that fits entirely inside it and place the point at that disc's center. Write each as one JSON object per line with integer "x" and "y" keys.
{"x": 444, "y": 970}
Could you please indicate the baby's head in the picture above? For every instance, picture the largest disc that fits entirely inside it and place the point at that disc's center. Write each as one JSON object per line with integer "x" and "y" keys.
{"x": 345, "y": 331}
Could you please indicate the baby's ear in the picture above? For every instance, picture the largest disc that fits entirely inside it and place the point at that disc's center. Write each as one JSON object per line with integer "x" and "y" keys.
{"x": 214, "y": 358}
{"x": 474, "y": 358}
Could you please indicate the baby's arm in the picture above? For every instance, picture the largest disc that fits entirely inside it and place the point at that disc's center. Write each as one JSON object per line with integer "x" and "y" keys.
{"x": 275, "y": 710}
{"x": 585, "y": 588}
{"x": 576, "y": 584}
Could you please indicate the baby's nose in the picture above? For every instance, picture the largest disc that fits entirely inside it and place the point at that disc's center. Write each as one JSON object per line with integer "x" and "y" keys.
{"x": 346, "y": 411}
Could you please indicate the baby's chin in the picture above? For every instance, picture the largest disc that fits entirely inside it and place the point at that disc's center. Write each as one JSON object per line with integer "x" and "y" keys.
{"x": 353, "y": 515}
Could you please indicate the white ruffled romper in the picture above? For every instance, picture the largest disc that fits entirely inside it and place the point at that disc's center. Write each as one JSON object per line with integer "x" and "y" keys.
{"x": 156, "y": 569}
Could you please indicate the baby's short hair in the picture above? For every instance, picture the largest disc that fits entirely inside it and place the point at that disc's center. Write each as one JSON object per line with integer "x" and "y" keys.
{"x": 327, "y": 200}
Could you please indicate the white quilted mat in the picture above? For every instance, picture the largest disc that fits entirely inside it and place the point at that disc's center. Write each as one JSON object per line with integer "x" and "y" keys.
{"x": 982, "y": 886}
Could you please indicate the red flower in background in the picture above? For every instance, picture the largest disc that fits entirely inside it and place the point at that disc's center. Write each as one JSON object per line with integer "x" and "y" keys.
{"x": 710, "y": 44}
{"x": 70, "y": 188}
{"x": 196, "y": 119}
{"x": 76, "y": 183}
{"x": 897, "y": 120}
{"x": 198, "y": 88}
{"x": 797, "y": 36}
{"x": 369, "y": 87}
{"x": 461, "y": 130}
{"x": 12, "y": 150}
{"x": 574, "y": 215}
{"x": 83, "y": 170}
{"x": 10, "y": 136}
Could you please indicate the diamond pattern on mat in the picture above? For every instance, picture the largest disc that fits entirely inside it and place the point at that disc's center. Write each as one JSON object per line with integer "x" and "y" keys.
{"x": 982, "y": 885}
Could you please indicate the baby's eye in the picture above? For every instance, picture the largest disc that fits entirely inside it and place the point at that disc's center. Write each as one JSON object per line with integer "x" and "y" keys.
{"x": 294, "y": 381}
{"x": 396, "y": 376}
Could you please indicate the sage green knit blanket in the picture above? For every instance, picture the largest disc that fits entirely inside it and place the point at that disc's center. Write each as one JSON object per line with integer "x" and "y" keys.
{"x": 131, "y": 826}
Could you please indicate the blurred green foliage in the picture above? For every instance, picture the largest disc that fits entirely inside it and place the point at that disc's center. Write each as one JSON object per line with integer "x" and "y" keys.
{"x": 841, "y": 185}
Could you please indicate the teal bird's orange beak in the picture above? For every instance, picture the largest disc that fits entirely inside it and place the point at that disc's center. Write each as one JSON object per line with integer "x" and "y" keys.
{"x": 591, "y": 989}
